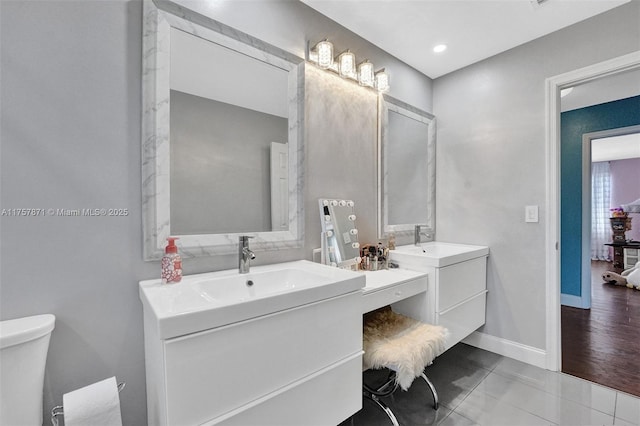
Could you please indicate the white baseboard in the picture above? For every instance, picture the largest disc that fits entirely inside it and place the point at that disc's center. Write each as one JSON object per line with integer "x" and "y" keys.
{"x": 573, "y": 301}
{"x": 508, "y": 348}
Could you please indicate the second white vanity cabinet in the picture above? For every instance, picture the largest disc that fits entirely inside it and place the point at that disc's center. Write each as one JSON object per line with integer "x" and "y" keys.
{"x": 457, "y": 291}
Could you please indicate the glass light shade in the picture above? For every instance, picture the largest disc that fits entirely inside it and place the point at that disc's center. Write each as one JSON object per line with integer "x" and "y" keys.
{"x": 347, "y": 65}
{"x": 365, "y": 74}
{"x": 324, "y": 50}
{"x": 382, "y": 81}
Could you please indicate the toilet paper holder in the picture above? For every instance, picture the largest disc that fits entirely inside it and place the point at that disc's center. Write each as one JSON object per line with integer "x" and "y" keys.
{"x": 58, "y": 410}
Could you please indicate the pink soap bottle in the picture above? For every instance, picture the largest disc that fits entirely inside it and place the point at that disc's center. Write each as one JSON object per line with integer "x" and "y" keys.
{"x": 171, "y": 263}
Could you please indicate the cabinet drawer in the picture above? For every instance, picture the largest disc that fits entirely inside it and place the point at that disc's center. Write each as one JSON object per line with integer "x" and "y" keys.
{"x": 322, "y": 399}
{"x": 376, "y": 299}
{"x": 262, "y": 355}
{"x": 464, "y": 319}
{"x": 460, "y": 281}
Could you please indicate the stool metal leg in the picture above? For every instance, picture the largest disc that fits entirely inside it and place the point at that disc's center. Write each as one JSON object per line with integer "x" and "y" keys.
{"x": 384, "y": 407}
{"x": 386, "y": 389}
{"x": 432, "y": 388}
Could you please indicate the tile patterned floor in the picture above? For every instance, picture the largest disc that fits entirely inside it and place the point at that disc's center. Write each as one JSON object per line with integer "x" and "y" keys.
{"x": 477, "y": 387}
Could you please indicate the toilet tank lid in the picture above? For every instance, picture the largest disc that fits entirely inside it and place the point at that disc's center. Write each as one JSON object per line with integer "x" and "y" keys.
{"x": 20, "y": 330}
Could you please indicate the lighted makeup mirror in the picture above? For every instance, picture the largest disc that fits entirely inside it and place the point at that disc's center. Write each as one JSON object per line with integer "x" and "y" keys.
{"x": 339, "y": 237}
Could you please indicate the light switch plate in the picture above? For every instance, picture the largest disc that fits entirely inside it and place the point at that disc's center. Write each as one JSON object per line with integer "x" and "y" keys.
{"x": 531, "y": 214}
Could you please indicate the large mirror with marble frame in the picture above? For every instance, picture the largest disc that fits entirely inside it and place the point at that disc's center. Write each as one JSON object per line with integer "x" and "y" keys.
{"x": 222, "y": 136}
{"x": 406, "y": 168}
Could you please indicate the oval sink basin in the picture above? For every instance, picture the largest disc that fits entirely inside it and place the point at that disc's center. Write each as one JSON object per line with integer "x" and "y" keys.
{"x": 436, "y": 254}
{"x": 204, "y": 301}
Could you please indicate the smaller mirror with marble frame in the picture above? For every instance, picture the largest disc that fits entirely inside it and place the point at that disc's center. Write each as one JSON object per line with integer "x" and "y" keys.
{"x": 406, "y": 169}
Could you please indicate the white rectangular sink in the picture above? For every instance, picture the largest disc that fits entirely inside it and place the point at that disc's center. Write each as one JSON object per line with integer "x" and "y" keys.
{"x": 437, "y": 254}
{"x": 204, "y": 301}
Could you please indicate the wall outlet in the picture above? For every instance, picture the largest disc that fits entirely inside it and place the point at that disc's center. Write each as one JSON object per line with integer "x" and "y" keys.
{"x": 531, "y": 214}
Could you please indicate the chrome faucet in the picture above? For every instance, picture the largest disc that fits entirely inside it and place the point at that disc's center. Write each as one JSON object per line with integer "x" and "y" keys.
{"x": 417, "y": 240}
{"x": 245, "y": 255}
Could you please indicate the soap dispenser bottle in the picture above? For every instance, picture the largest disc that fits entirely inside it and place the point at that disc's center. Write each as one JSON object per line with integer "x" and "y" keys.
{"x": 171, "y": 263}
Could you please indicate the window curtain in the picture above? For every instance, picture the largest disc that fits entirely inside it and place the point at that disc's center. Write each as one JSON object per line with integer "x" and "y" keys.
{"x": 600, "y": 204}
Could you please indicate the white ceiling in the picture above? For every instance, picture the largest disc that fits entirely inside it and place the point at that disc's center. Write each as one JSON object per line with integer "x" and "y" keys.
{"x": 606, "y": 89}
{"x": 202, "y": 68}
{"x": 472, "y": 29}
{"x": 615, "y": 148}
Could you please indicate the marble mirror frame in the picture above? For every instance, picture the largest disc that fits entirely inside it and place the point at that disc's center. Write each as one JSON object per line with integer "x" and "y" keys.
{"x": 159, "y": 17}
{"x": 386, "y": 104}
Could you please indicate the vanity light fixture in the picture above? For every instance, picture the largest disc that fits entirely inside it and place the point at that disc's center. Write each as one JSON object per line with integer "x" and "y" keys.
{"x": 365, "y": 74}
{"x": 345, "y": 65}
{"x": 382, "y": 80}
{"x": 324, "y": 52}
{"x": 322, "y": 55}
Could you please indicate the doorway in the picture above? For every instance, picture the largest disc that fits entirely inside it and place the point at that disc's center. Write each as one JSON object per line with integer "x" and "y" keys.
{"x": 600, "y": 343}
{"x": 552, "y": 232}
{"x": 612, "y": 146}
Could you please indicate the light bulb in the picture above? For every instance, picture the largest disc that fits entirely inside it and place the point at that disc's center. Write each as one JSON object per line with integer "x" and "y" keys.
{"x": 382, "y": 81}
{"x": 365, "y": 74}
{"x": 325, "y": 54}
{"x": 347, "y": 65}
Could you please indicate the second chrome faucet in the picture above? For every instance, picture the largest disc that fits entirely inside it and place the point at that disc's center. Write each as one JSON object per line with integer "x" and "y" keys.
{"x": 245, "y": 255}
{"x": 418, "y": 233}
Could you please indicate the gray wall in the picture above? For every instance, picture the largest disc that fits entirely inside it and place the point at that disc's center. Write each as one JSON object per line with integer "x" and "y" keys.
{"x": 70, "y": 133}
{"x": 491, "y": 160}
{"x": 340, "y": 125}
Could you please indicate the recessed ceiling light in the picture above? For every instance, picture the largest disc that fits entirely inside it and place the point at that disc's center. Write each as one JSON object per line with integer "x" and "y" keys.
{"x": 440, "y": 48}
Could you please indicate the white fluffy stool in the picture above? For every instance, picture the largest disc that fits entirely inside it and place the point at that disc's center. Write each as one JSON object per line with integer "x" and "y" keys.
{"x": 403, "y": 345}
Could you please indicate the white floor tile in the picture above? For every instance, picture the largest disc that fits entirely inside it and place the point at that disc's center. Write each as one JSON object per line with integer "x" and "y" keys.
{"x": 568, "y": 387}
{"x": 512, "y": 393}
{"x": 628, "y": 408}
{"x": 540, "y": 403}
{"x": 620, "y": 422}
{"x": 487, "y": 410}
{"x": 455, "y": 419}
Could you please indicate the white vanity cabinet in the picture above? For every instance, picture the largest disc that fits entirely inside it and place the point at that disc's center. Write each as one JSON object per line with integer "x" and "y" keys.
{"x": 281, "y": 345}
{"x": 456, "y": 295}
{"x": 268, "y": 370}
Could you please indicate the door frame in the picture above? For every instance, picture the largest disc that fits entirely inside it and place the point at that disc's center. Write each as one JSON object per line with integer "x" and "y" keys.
{"x": 553, "y": 85}
{"x": 586, "y": 204}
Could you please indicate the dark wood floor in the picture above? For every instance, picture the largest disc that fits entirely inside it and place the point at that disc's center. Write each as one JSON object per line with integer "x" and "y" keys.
{"x": 602, "y": 344}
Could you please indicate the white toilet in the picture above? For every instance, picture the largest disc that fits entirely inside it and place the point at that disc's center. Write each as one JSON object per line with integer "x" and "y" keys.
{"x": 23, "y": 354}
